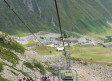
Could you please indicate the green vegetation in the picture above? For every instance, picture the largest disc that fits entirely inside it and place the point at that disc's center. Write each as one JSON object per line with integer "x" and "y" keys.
{"x": 35, "y": 65}
{"x": 95, "y": 53}
{"x": 29, "y": 65}
{"x": 108, "y": 39}
{"x": 65, "y": 35}
{"x": 41, "y": 37}
{"x": 14, "y": 46}
{"x": 1, "y": 64}
{"x": 52, "y": 71}
{"x": 81, "y": 16}
{"x": 7, "y": 42}
{"x": 1, "y": 68}
{"x": 40, "y": 66}
{"x": 42, "y": 33}
{"x": 8, "y": 55}
{"x": 22, "y": 34}
{"x": 2, "y": 79}
{"x": 25, "y": 74}
{"x": 31, "y": 43}
{"x": 78, "y": 53}
{"x": 14, "y": 72}
{"x": 45, "y": 50}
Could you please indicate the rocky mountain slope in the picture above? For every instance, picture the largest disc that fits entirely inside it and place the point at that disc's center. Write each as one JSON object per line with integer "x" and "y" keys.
{"x": 15, "y": 60}
{"x": 81, "y": 16}
{"x": 14, "y": 63}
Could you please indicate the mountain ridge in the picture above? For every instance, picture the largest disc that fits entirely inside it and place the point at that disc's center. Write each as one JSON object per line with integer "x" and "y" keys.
{"x": 76, "y": 16}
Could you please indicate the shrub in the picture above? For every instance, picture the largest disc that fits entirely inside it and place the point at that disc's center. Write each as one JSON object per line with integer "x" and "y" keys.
{"x": 29, "y": 65}
{"x": 40, "y": 66}
{"x": 52, "y": 71}
{"x": 2, "y": 79}
{"x": 1, "y": 68}
{"x": 85, "y": 63}
{"x": 8, "y": 55}
{"x": 7, "y": 42}
{"x": 31, "y": 43}
{"x": 36, "y": 65}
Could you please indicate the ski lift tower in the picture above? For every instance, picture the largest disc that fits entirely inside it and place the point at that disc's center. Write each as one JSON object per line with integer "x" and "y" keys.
{"x": 61, "y": 65}
{"x": 67, "y": 55}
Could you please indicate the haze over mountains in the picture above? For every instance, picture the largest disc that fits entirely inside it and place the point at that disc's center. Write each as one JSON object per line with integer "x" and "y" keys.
{"x": 81, "y": 16}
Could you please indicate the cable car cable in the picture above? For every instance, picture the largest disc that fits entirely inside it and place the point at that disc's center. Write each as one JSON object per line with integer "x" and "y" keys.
{"x": 20, "y": 19}
{"x": 59, "y": 78}
{"x": 61, "y": 32}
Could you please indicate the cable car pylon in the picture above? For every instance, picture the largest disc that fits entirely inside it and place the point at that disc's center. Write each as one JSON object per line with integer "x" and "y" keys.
{"x": 66, "y": 54}
{"x": 68, "y": 75}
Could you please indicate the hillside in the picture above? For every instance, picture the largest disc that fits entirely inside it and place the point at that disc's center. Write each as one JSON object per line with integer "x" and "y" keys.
{"x": 15, "y": 60}
{"x": 81, "y": 16}
{"x": 13, "y": 57}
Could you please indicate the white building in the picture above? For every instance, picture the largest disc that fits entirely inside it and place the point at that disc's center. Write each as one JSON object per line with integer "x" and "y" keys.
{"x": 59, "y": 48}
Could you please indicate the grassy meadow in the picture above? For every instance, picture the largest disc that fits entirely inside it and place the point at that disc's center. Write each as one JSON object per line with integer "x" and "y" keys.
{"x": 31, "y": 43}
{"x": 46, "y": 50}
{"x": 91, "y": 54}
{"x": 96, "y": 53}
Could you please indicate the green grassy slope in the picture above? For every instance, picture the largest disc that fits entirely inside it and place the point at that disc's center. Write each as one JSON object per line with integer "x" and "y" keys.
{"x": 1, "y": 68}
{"x": 82, "y": 16}
{"x": 7, "y": 44}
{"x": 95, "y": 53}
{"x": 91, "y": 54}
